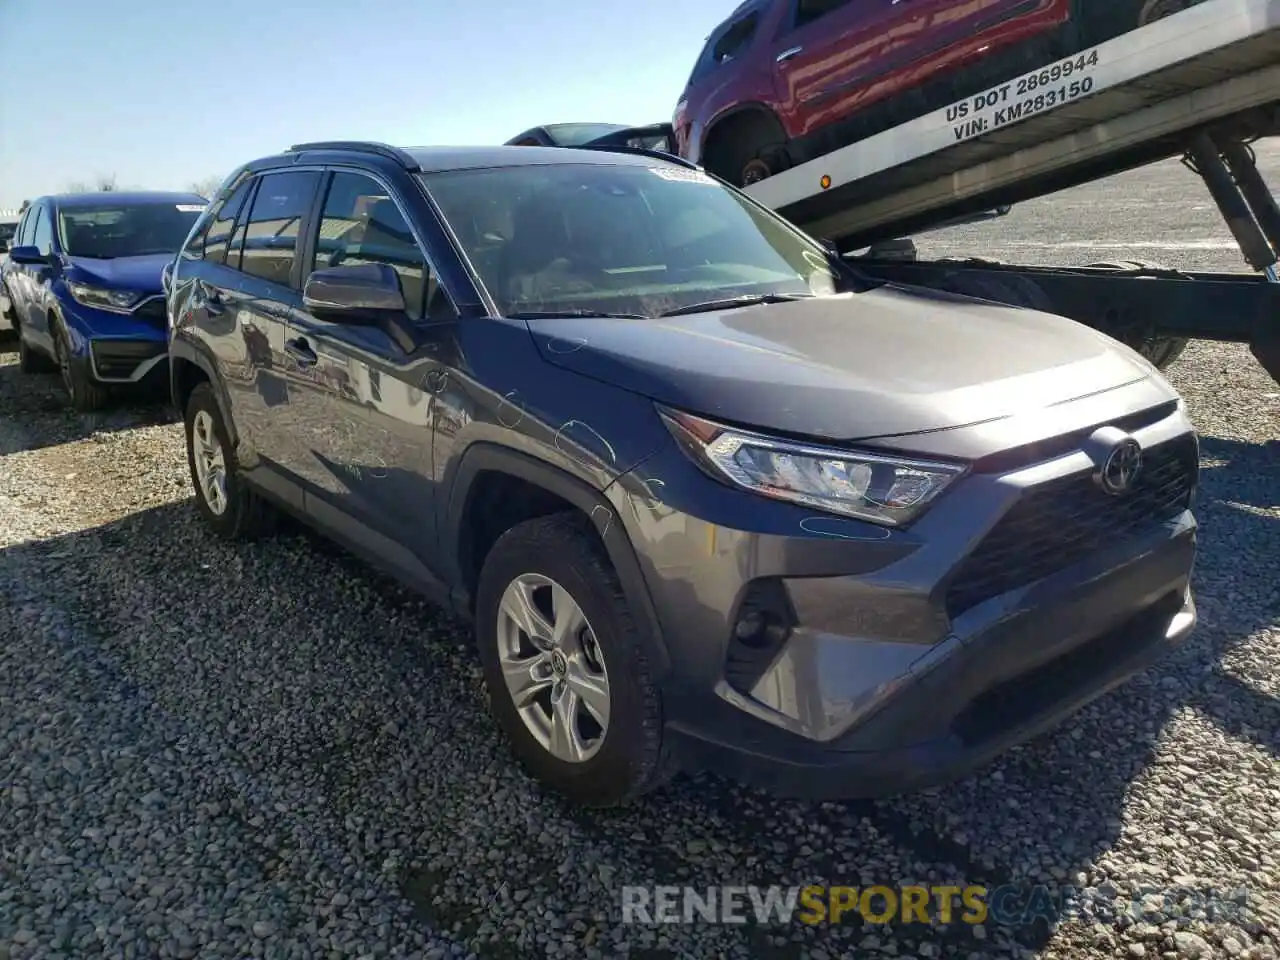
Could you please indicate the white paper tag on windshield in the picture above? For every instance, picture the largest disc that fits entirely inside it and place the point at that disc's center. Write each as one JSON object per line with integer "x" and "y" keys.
{"x": 189, "y": 207}
{"x": 680, "y": 173}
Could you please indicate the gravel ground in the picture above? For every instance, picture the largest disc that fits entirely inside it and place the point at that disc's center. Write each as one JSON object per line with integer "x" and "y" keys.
{"x": 213, "y": 750}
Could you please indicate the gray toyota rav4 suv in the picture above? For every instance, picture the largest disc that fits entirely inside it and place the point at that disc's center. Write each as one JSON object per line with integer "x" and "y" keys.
{"x": 710, "y": 498}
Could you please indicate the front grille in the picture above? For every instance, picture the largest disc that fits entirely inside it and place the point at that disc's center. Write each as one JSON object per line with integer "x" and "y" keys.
{"x": 1062, "y": 522}
{"x": 118, "y": 359}
{"x": 152, "y": 311}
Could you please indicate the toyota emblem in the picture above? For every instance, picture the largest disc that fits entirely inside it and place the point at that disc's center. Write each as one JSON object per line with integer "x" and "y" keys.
{"x": 1121, "y": 468}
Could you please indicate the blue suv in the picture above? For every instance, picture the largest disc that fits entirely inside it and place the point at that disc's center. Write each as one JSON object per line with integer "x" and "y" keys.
{"x": 84, "y": 283}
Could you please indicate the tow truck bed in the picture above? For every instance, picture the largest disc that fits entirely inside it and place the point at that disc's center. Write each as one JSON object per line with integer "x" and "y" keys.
{"x": 1121, "y": 104}
{"x": 1202, "y": 83}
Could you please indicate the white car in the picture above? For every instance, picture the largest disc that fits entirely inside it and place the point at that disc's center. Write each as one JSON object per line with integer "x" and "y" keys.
{"x": 8, "y": 227}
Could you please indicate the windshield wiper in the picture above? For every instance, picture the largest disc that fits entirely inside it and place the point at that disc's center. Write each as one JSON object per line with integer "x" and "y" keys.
{"x": 728, "y": 303}
{"x": 555, "y": 314}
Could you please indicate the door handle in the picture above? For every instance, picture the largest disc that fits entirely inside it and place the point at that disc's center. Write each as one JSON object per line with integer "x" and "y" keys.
{"x": 300, "y": 351}
{"x": 786, "y": 55}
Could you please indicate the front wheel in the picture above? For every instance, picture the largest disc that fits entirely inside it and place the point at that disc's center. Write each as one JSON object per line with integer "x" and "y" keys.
{"x": 747, "y": 152}
{"x": 84, "y": 395}
{"x": 564, "y": 666}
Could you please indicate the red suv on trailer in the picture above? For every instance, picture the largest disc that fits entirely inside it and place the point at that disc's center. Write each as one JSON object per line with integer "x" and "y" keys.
{"x": 781, "y": 82}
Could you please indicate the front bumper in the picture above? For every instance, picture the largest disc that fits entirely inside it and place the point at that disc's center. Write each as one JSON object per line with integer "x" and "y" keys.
{"x": 119, "y": 349}
{"x": 128, "y": 361}
{"x": 879, "y": 674}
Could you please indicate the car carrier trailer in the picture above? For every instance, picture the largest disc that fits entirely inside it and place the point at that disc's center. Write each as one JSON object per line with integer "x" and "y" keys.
{"x": 1203, "y": 84}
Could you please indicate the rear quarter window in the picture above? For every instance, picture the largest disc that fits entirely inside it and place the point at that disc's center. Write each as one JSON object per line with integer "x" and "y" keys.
{"x": 726, "y": 44}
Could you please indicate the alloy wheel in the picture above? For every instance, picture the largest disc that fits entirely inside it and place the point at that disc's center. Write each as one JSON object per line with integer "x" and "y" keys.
{"x": 553, "y": 667}
{"x": 210, "y": 462}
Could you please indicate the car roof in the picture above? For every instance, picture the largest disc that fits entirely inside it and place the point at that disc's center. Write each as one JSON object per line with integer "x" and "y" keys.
{"x": 68, "y": 201}
{"x": 441, "y": 159}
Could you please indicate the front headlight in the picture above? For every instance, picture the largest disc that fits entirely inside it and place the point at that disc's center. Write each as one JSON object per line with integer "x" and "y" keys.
{"x": 883, "y": 489}
{"x": 116, "y": 301}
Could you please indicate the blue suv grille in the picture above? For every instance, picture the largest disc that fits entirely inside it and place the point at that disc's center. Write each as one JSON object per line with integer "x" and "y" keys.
{"x": 152, "y": 311}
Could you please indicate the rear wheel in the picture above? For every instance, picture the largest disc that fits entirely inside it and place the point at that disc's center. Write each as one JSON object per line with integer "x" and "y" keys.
{"x": 228, "y": 505}
{"x": 1154, "y": 10}
{"x": 1100, "y": 22}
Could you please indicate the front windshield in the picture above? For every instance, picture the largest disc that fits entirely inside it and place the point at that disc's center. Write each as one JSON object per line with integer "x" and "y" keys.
{"x": 622, "y": 238}
{"x": 126, "y": 230}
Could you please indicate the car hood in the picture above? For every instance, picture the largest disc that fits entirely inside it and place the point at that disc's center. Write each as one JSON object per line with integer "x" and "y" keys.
{"x": 890, "y": 361}
{"x": 123, "y": 273}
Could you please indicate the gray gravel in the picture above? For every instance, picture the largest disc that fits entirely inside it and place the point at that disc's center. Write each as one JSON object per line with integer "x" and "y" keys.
{"x": 208, "y": 750}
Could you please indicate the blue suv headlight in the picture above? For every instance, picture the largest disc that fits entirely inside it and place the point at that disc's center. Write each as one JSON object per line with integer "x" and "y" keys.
{"x": 115, "y": 301}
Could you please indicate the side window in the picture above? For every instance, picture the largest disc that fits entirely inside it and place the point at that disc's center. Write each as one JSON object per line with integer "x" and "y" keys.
{"x": 42, "y": 235}
{"x": 213, "y": 245}
{"x": 275, "y": 223}
{"x": 808, "y": 11}
{"x": 735, "y": 39}
{"x": 24, "y": 229}
{"x": 362, "y": 224}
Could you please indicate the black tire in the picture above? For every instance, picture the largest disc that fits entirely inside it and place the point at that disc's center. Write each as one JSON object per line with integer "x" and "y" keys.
{"x": 1159, "y": 351}
{"x": 1100, "y": 22}
{"x": 247, "y": 515}
{"x": 1010, "y": 289}
{"x": 83, "y": 394}
{"x": 31, "y": 360}
{"x": 743, "y": 152}
{"x": 631, "y": 760}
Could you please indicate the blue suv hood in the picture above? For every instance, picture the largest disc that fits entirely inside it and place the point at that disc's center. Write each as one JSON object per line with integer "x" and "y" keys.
{"x": 122, "y": 273}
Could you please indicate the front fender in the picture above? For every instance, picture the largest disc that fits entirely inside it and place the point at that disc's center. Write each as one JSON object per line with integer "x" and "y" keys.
{"x": 485, "y": 457}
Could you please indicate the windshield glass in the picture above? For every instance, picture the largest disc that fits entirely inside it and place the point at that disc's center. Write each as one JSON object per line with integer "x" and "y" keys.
{"x": 7, "y": 230}
{"x": 624, "y": 238}
{"x": 126, "y": 230}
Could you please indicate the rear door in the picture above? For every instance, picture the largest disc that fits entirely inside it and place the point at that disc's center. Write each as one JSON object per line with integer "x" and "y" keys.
{"x": 265, "y": 251}
{"x": 826, "y": 55}
{"x": 37, "y": 280}
{"x": 12, "y": 273}
{"x": 929, "y": 37}
{"x": 841, "y": 56}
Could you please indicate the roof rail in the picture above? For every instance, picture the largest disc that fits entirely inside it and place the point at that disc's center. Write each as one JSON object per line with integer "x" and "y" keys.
{"x": 402, "y": 157}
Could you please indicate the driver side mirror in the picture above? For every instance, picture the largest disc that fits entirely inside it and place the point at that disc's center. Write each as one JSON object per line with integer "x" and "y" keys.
{"x": 27, "y": 255}
{"x": 363, "y": 294}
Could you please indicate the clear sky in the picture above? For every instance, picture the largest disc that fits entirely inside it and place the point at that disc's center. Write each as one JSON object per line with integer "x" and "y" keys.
{"x": 162, "y": 94}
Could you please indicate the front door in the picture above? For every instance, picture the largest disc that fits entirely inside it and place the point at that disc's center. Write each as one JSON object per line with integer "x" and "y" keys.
{"x": 361, "y": 400}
